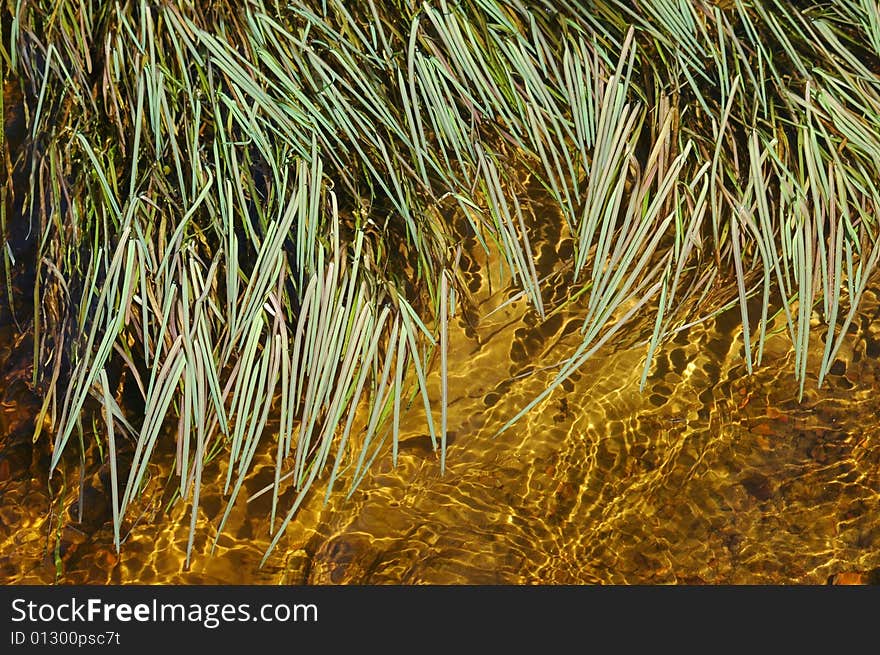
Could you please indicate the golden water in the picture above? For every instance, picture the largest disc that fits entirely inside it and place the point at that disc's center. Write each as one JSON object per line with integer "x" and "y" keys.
{"x": 708, "y": 476}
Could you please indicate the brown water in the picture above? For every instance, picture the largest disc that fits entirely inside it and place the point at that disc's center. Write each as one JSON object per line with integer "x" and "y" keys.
{"x": 708, "y": 476}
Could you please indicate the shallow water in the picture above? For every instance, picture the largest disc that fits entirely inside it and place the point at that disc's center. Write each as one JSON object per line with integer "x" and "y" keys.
{"x": 708, "y": 476}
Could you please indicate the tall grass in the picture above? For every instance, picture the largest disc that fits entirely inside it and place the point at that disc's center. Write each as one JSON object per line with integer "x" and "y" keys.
{"x": 248, "y": 212}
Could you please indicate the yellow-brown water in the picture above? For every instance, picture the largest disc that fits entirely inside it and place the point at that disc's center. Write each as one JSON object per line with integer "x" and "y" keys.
{"x": 708, "y": 476}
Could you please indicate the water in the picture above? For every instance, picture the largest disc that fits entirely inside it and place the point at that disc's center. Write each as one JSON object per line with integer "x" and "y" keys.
{"x": 708, "y": 476}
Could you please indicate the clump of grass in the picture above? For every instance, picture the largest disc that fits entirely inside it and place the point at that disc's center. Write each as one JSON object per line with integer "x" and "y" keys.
{"x": 250, "y": 211}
